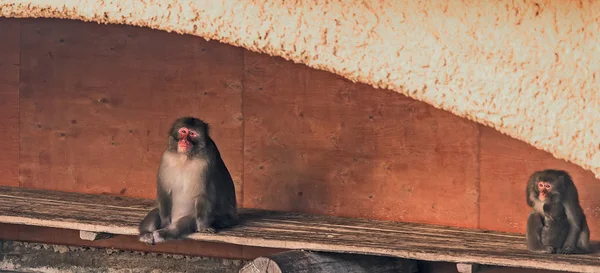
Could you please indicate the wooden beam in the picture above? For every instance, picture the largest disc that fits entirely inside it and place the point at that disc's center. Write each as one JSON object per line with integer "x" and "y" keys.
{"x": 93, "y": 236}
{"x": 473, "y": 268}
{"x": 323, "y": 262}
{"x": 287, "y": 230}
{"x": 467, "y": 268}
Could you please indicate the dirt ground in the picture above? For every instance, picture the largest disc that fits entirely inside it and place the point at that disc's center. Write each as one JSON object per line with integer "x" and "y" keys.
{"x": 34, "y": 257}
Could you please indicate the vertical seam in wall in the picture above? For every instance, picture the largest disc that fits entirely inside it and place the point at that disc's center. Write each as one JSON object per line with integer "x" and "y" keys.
{"x": 243, "y": 126}
{"x": 20, "y": 48}
{"x": 242, "y": 248}
{"x": 478, "y": 174}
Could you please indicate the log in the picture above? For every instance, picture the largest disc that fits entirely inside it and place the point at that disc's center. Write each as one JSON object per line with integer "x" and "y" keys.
{"x": 316, "y": 262}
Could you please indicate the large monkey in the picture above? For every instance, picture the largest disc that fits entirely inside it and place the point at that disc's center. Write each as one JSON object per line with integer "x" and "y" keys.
{"x": 195, "y": 192}
{"x": 557, "y": 223}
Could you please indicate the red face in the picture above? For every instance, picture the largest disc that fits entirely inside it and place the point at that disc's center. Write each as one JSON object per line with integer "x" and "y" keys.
{"x": 185, "y": 136}
{"x": 544, "y": 188}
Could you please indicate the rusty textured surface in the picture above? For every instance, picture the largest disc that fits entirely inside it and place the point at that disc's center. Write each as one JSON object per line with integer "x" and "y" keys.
{"x": 317, "y": 143}
{"x": 9, "y": 101}
{"x": 526, "y": 68}
{"x": 98, "y": 102}
{"x": 506, "y": 164}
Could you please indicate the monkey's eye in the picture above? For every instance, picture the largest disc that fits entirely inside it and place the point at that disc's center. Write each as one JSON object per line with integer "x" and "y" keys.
{"x": 540, "y": 185}
{"x": 547, "y": 186}
{"x": 183, "y": 131}
{"x": 192, "y": 134}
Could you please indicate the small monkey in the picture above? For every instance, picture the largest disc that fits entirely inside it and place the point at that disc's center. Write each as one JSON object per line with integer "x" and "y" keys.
{"x": 195, "y": 192}
{"x": 557, "y": 223}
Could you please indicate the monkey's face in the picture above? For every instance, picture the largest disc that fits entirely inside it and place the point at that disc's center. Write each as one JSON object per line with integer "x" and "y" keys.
{"x": 549, "y": 189}
{"x": 544, "y": 188}
{"x": 187, "y": 139}
{"x": 188, "y": 135}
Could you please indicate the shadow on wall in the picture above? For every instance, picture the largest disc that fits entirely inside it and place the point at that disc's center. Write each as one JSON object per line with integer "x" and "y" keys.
{"x": 317, "y": 143}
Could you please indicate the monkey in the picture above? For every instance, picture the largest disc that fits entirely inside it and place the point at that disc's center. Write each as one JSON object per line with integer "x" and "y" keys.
{"x": 557, "y": 223}
{"x": 554, "y": 219}
{"x": 195, "y": 191}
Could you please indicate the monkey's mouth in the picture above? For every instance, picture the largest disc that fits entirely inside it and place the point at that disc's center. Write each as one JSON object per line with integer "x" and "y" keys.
{"x": 184, "y": 145}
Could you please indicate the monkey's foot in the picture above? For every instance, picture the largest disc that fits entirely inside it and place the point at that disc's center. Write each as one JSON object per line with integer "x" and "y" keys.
{"x": 147, "y": 238}
{"x": 544, "y": 250}
{"x": 207, "y": 230}
{"x": 565, "y": 250}
{"x": 158, "y": 237}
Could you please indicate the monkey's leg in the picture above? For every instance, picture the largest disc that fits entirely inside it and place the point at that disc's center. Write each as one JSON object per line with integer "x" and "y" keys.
{"x": 176, "y": 230}
{"x": 583, "y": 242}
{"x": 533, "y": 235}
{"x": 576, "y": 218}
{"x": 149, "y": 224}
{"x": 228, "y": 219}
{"x": 204, "y": 215}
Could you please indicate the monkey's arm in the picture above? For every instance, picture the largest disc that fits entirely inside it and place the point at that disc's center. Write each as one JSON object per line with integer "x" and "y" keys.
{"x": 164, "y": 204}
{"x": 534, "y": 202}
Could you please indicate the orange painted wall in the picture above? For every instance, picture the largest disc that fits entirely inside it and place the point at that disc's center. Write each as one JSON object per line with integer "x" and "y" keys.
{"x": 85, "y": 108}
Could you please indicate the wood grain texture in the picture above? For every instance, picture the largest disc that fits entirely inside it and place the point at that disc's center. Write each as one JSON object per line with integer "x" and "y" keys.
{"x": 287, "y": 230}
{"x": 9, "y": 101}
{"x": 129, "y": 242}
{"x": 317, "y": 143}
{"x": 506, "y": 165}
{"x": 97, "y": 101}
{"x": 297, "y": 261}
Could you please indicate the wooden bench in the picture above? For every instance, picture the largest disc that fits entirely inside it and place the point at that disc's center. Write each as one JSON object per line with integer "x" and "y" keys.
{"x": 100, "y": 214}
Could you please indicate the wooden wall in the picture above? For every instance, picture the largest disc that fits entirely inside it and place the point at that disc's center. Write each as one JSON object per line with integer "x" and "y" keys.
{"x": 86, "y": 108}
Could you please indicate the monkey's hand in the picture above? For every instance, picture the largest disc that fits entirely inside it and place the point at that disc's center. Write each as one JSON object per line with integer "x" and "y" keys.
{"x": 546, "y": 207}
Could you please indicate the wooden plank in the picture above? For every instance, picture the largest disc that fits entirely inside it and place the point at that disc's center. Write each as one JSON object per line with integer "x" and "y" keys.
{"x": 324, "y": 262}
{"x": 506, "y": 164}
{"x": 130, "y": 242}
{"x": 9, "y": 101}
{"x": 318, "y": 143}
{"x": 98, "y": 100}
{"x": 285, "y": 230}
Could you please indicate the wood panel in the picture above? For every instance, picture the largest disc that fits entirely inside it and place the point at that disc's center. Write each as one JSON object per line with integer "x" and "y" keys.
{"x": 97, "y": 102}
{"x": 9, "y": 101}
{"x": 121, "y": 215}
{"x": 506, "y": 164}
{"x": 317, "y": 143}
